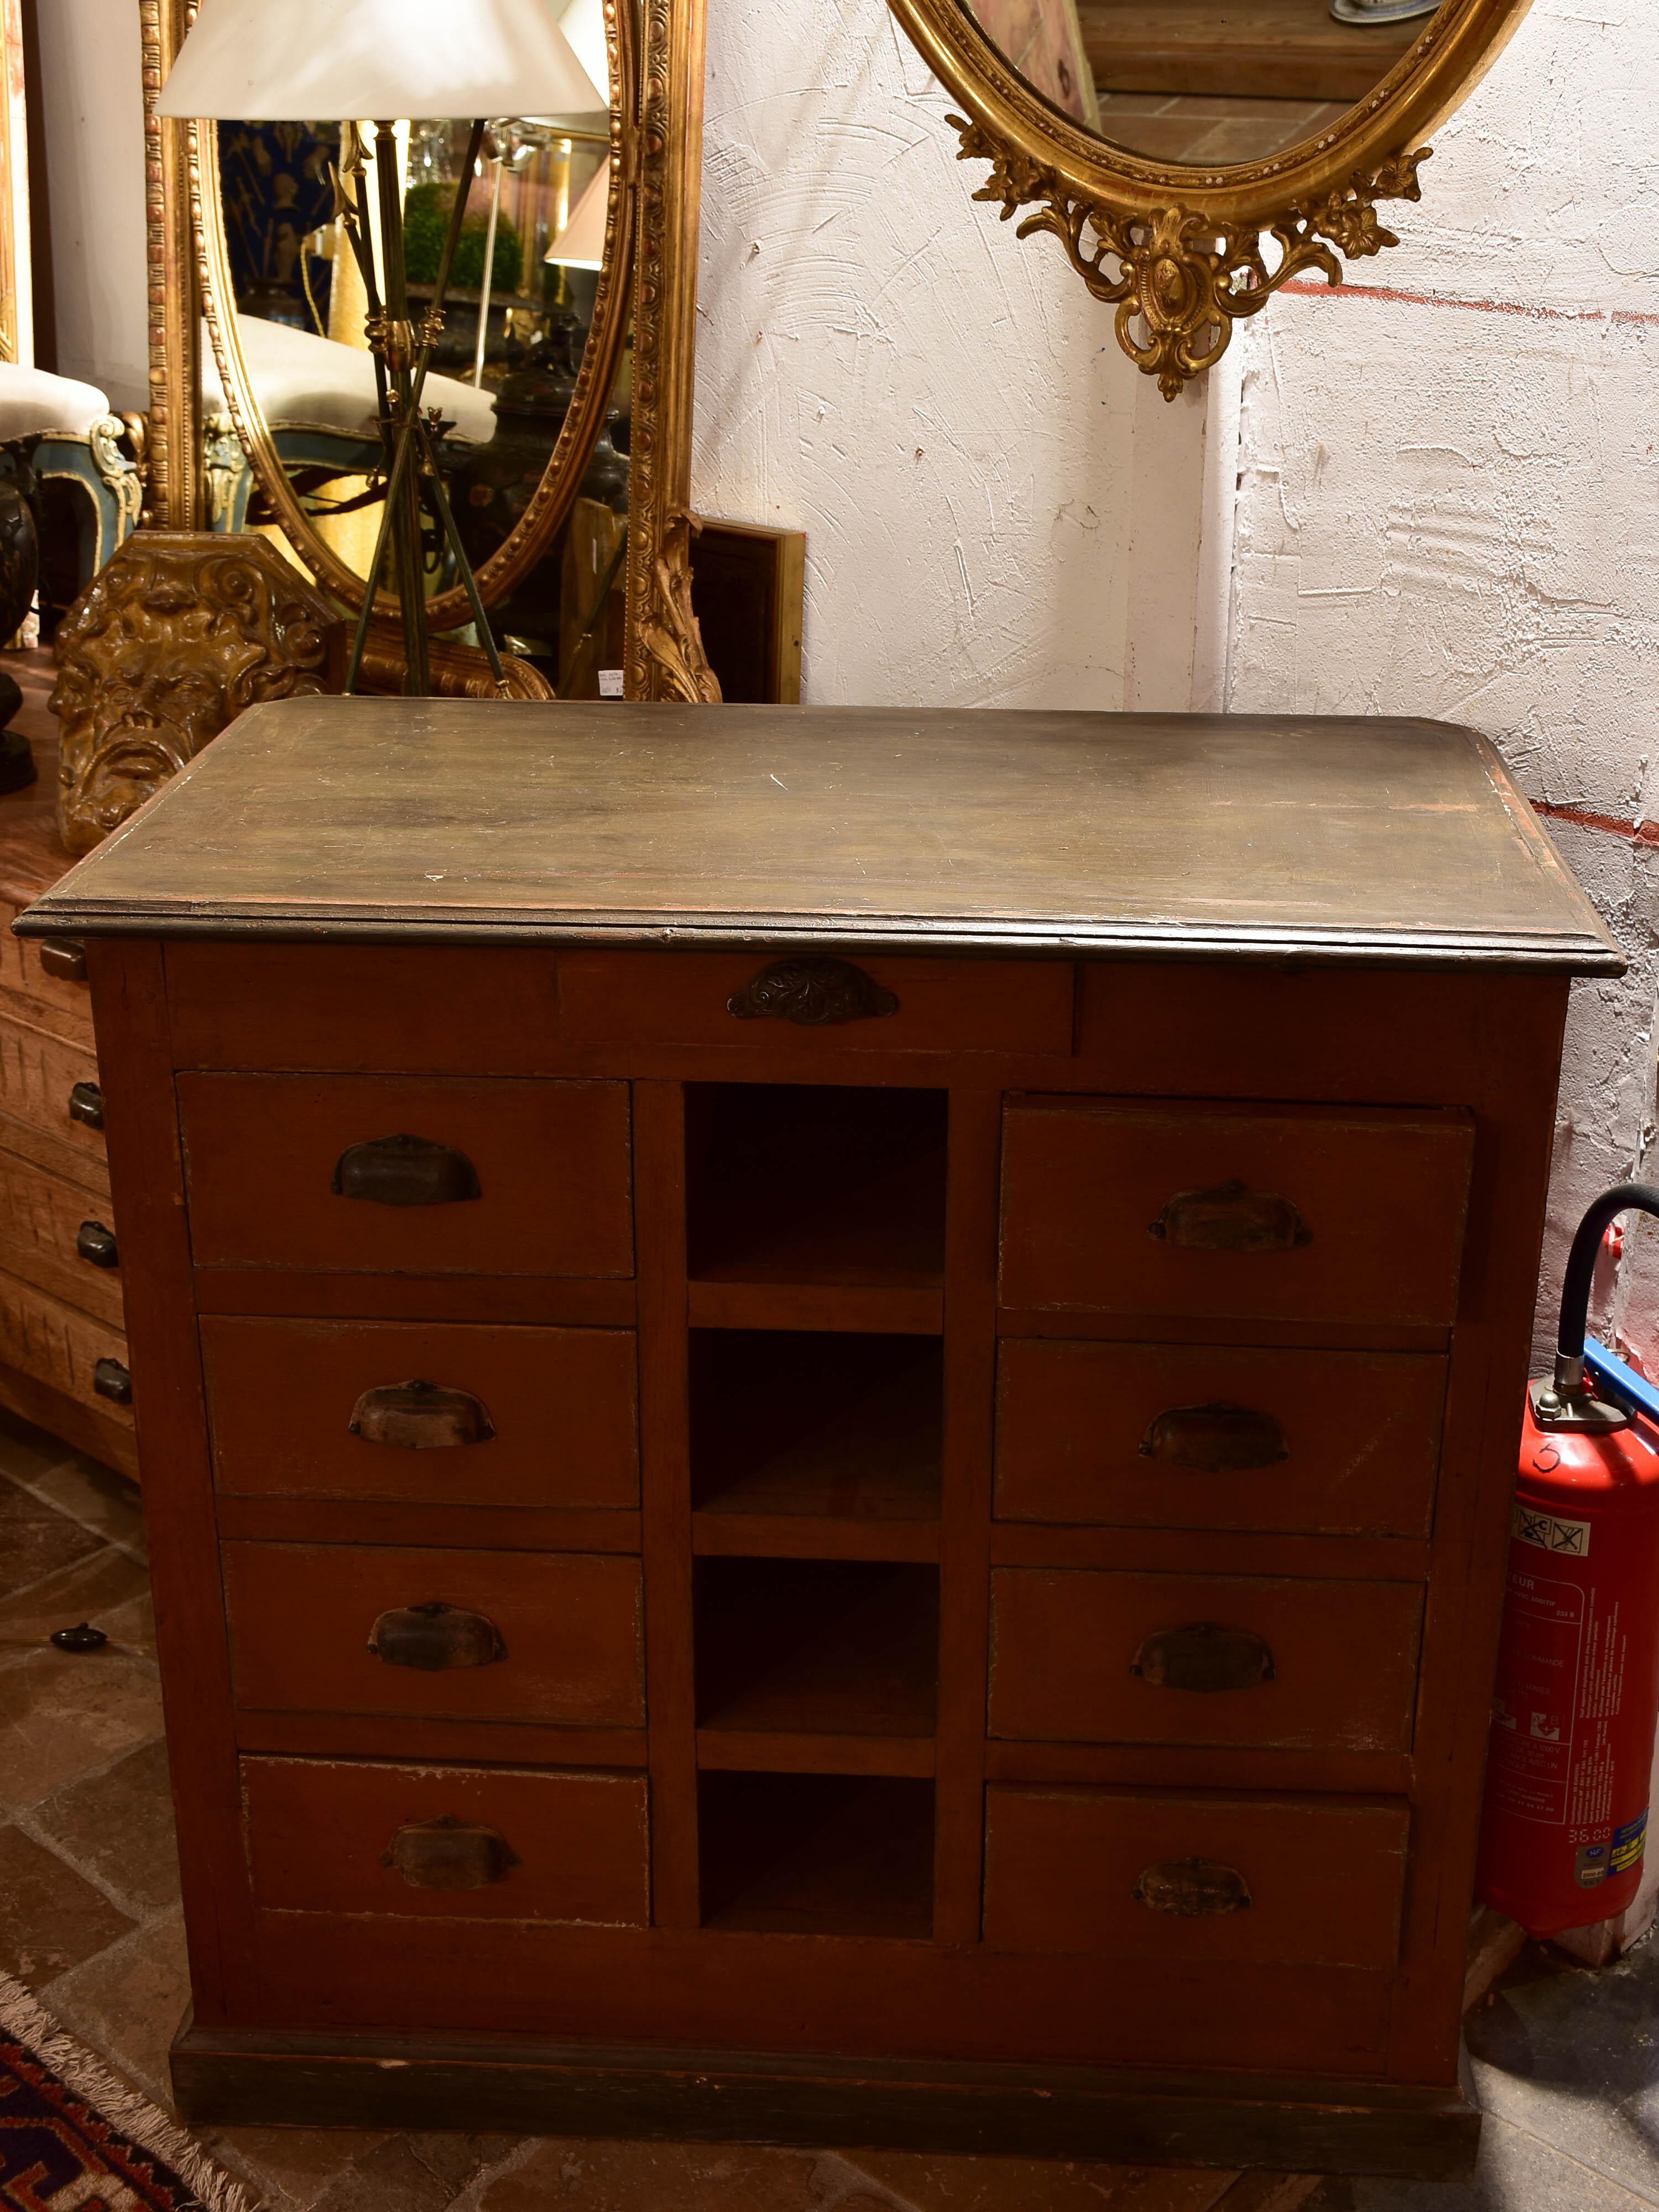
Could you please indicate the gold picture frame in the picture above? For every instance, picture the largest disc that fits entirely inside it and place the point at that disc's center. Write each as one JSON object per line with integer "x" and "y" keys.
{"x": 1178, "y": 250}
{"x": 650, "y": 269}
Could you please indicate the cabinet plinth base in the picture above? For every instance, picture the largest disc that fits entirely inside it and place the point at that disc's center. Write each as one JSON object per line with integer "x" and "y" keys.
{"x": 227, "y": 2076}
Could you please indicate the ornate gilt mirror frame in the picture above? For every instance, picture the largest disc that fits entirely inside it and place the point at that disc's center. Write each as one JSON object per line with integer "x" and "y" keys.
{"x": 1178, "y": 249}
{"x": 650, "y": 267}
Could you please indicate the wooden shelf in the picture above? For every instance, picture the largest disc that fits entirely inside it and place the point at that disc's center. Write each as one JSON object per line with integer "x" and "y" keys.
{"x": 817, "y": 1854}
{"x": 1281, "y": 48}
{"x": 815, "y": 1647}
{"x": 828, "y": 1426}
{"x": 815, "y": 1184}
{"x": 742, "y": 1751}
{"x": 863, "y": 1309}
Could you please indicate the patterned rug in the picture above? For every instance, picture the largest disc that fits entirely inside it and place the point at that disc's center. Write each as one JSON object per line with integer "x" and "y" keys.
{"x": 75, "y": 2139}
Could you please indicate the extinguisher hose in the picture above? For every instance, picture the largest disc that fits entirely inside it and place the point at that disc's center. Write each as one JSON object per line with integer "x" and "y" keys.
{"x": 1581, "y": 1267}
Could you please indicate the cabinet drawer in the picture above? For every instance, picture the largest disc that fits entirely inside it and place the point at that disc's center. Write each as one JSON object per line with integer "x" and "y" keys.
{"x": 1298, "y": 1663}
{"x": 1170, "y": 1436}
{"x": 30, "y": 991}
{"x": 464, "y": 1842}
{"x": 1189, "y": 1877}
{"x": 70, "y": 1351}
{"x": 514, "y": 1178}
{"x": 532, "y": 1417}
{"x": 879, "y": 1005}
{"x": 38, "y": 1076}
{"x": 59, "y": 1235}
{"x": 567, "y": 1644}
{"x": 1226, "y": 1212}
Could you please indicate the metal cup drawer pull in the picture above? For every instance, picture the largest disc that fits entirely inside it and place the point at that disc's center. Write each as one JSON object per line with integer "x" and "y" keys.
{"x": 1203, "y": 1657}
{"x": 1215, "y": 1439}
{"x": 420, "y": 1416}
{"x": 1230, "y": 1218}
{"x": 449, "y": 1853}
{"x": 86, "y": 1105}
{"x": 1191, "y": 1887}
{"x": 405, "y": 1170}
{"x": 111, "y": 1380}
{"x": 65, "y": 957}
{"x": 96, "y": 1245}
{"x": 812, "y": 993}
{"x": 435, "y": 1638}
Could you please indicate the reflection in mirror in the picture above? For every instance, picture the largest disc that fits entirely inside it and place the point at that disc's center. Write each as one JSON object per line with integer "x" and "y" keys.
{"x": 1207, "y": 83}
{"x": 518, "y": 310}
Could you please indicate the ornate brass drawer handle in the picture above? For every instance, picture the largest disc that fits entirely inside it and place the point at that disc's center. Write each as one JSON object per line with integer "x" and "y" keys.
{"x": 1203, "y": 1657}
{"x": 814, "y": 993}
{"x": 420, "y": 1416}
{"x": 1230, "y": 1218}
{"x": 435, "y": 1638}
{"x": 404, "y": 1171}
{"x": 1191, "y": 1887}
{"x": 449, "y": 1853}
{"x": 1215, "y": 1439}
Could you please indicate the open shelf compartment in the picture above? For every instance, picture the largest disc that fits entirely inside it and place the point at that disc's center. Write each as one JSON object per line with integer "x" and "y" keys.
{"x": 811, "y": 1184}
{"x": 817, "y": 1854}
{"x": 803, "y": 1426}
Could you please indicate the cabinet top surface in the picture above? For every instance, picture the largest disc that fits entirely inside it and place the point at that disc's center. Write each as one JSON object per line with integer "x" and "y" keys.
{"x": 981, "y": 832}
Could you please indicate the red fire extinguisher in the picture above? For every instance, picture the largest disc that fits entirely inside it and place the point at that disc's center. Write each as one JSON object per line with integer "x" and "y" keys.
{"x": 1577, "y": 1697}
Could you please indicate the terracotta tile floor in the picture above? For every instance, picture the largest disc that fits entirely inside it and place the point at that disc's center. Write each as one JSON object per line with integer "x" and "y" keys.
{"x": 1567, "y": 2063}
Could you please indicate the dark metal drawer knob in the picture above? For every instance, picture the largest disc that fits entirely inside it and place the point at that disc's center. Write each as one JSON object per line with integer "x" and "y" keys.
{"x": 1191, "y": 1887}
{"x": 65, "y": 957}
{"x": 1214, "y": 1439}
{"x": 449, "y": 1853}
{"x": 97, "y": 1245}
{"x": 435, "y": 1638}
{"x": 405, "y": 1171}
{"x": 86, "y": 1103}
{"x": 1203, "y": 1657}
{"x": 420, "y": 1416}
{"x": 812, "y": 992}
{"x": 1230, "y": 1218}
{"x": 111, "y": 1380}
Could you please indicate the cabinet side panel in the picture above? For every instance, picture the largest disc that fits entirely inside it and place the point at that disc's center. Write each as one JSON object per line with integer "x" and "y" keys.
{"x": 141, "y": 1120}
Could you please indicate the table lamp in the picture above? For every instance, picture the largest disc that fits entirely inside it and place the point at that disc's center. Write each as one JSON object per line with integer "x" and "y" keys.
{"x": 247, "y": 60}
{"x": 580, "y": 243}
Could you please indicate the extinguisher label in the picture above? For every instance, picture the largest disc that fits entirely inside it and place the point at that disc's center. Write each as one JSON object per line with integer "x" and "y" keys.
{"x": 1532, "y": 1741}
{"x": 1549, "y": 1533}
{"x": 1629, "y": 1842}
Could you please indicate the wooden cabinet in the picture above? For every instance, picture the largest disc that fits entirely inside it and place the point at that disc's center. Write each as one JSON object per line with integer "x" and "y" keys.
{"x": 62, "y": 1346}
{"x": 825, "y": 1480}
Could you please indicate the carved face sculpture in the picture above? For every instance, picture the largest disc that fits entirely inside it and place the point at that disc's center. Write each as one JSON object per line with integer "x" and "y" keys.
{"x": 166, "y": 646}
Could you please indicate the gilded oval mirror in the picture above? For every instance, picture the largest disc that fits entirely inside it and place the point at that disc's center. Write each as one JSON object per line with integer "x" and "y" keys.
{"x": 1193, "y": 156}
{"x": 530, "y": 377}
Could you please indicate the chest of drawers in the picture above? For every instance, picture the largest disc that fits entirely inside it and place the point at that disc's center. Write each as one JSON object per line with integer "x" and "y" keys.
{"x": 827, "y": 1403}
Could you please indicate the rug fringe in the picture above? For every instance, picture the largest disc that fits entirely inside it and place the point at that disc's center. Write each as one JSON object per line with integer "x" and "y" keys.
{"x": 141, "y": 2122}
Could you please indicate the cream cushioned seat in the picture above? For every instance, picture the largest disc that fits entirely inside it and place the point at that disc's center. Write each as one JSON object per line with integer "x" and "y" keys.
{"x": 34, "y": 402}
{"x": 300, "y": 378}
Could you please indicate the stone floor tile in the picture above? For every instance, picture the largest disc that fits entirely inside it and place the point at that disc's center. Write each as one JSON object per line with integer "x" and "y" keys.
{"x": 294, "y": 2165}
{"x": 118, "y": 1824}
{"x": 102, "y": 1581}
{"x": 455, "y": 2158}
{"x": 98, "y": 1497}
{"x": 51, "y": 1918}
{"x": 597, "y": 2175}
{"x": 128, "y": 2001}
{"x": 27, "y": 1452}
{"x": 392, "y": 2179}
{"x": 1029, "y": 2184}
{"x": 64, "y": 1711}
{"x": 1517, "y": 2172}
{"x": 36, "y": 1538}
{"x": 131, "y": 1627}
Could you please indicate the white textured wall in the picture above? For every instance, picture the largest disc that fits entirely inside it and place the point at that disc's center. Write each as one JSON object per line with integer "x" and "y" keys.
{"x": 1449, "y": 504}
{"x": 880, "y": 362}
{"x": 93, "y": 99}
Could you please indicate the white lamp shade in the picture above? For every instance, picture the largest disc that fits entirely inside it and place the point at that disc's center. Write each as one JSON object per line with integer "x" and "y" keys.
{"x": 581, "y": 244}
{"x": 279, "y": 60}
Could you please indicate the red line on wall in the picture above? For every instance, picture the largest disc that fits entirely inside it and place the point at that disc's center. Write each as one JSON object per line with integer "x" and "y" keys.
{"x": 1640, "y": 833}
{"x": 1534, "y": 313}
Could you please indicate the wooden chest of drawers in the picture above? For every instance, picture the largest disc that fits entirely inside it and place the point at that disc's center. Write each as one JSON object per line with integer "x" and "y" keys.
{"x": 63, "y": 1347}
{"x": 827, "y": 1403}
